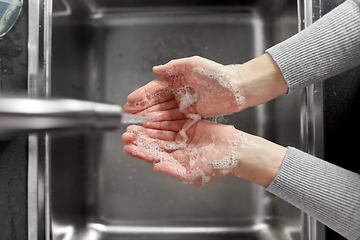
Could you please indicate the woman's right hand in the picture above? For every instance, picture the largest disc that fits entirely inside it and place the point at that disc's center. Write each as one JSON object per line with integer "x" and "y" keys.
{"x": 202, "y": 87}
{"x": 190, "y": 86}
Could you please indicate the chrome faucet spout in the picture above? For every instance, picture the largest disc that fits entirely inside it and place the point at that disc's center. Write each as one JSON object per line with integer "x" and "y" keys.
{"x": 25, "y": 114}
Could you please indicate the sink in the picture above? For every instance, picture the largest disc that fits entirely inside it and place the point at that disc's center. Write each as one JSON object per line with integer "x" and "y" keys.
{"x": 102, "y": 51}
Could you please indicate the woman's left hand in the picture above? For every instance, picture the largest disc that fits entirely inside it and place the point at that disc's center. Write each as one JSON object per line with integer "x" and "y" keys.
{"x": 198, "y": 152}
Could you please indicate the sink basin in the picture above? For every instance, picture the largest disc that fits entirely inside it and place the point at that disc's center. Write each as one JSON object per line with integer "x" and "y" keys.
{"x": 102, "y": 51}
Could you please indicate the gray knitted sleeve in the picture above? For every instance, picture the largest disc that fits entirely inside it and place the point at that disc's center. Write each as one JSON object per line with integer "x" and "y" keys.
{"x": 325, "y": 191}
{"x": 326, "y": 48}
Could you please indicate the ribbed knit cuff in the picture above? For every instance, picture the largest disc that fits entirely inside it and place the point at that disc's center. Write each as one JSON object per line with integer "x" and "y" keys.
{"x": 327, "y": 192}
{"x": 326, "y": 48}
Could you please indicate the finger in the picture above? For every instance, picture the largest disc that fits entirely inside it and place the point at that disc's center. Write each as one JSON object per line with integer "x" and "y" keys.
{"x": 153, "y": 144}
{"x": 151, "y": 133}
{"x": 171, "y": 104}
{"x": 146, "y": 154}
{"x": 169, "y": 115}
{"x": 177, "y": 66}
{"x": 136, "y": 107}
{"x": 185, "y": 65}
{"x": 150, "y": 89}
{"x": 166, "y": 125}
{"x": 172, "y": 68}
{"x": 128, "y": 137}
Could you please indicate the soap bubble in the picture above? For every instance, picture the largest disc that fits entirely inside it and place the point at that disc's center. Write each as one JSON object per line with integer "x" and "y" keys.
{"x": 187, "y": 97}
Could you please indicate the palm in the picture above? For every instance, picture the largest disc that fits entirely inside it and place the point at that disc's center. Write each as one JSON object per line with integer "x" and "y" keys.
{"x": 205, "y": 93}
{"x": 207, "y": 154}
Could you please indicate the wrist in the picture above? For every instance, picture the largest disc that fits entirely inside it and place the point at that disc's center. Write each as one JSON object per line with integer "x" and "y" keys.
{"x": 259, "y": 160}
{"x": 260, "y": 80}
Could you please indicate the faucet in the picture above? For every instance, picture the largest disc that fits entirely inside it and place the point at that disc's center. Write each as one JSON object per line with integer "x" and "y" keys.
{"x": 29, "y": 114}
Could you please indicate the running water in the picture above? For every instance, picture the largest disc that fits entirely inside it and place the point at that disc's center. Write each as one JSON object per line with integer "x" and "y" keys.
{"x": 127, "y": 118}
{"x": 223, "y": 119}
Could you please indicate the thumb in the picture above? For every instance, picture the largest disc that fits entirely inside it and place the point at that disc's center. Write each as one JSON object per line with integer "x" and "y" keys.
{"x": 175, "y": 67}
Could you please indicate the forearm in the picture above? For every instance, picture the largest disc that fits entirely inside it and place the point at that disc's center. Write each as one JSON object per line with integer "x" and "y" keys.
{"x": 327, "y": 192}
{"x": 326, "y": 48}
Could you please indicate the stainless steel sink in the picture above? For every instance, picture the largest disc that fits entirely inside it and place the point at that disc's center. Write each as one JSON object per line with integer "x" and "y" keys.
{"x": 102, "y": 51}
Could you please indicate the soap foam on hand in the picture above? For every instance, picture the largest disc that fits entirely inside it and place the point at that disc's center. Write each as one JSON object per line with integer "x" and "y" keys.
{"x": 187, "y": 97}
{"x": 205, "y": 156}
{"x": 202, "y": 162}
{"x": 185, "y": 87}
{"x": 198, "y": 160}
{"x": 223, "y": 80}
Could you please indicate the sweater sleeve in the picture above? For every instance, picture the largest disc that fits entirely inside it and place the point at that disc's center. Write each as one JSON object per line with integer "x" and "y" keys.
{"x": 326, "y": 48}
{"x": 327, "y": 192}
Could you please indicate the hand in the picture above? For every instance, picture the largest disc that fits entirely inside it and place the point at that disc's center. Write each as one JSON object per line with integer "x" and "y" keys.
{"x": 208, "y": 151}
{"x": 199, "y": 86}
{"x": 205, "y": 153}
{"x": 190, "y": 86}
